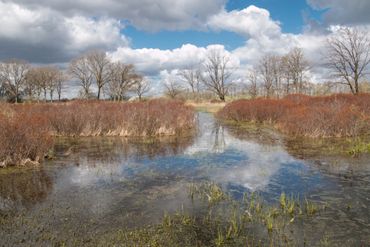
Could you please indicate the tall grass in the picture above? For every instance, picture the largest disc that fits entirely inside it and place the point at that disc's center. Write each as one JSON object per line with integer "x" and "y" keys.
{"x": 27, "y": 129}
{"x": 340, "y": 115}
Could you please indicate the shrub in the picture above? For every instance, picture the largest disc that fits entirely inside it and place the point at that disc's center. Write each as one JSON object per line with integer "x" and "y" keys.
{"x": 27, "y": 128}
{"x": 256, "y": 110}
{"x": 146, "y": 119}
{"x": 327, "y": 116}
{"x": 23, "y": 139}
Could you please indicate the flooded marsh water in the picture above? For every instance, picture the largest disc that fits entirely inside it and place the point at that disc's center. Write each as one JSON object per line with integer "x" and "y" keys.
{"x": 97, "y": 185}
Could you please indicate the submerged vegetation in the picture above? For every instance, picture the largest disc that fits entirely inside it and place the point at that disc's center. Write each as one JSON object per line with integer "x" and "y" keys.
{"x": 219, "y": 220}
{"x": 340, "y": 115}
{"x": 28, "y": 128}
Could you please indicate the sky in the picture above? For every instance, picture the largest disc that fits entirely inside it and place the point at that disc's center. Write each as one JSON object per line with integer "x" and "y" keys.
{"x": 161, "y": 37}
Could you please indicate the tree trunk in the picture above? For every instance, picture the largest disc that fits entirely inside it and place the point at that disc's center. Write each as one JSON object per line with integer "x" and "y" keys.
{"x": 16, "y": 95}
{"x": 98, "y": 97}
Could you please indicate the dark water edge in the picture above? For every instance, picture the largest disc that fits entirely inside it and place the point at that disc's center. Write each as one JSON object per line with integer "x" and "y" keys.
{"x": 97, "y": 186}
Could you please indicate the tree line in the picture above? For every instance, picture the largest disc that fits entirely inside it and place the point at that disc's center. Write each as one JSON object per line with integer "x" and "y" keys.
{"x": 347, "y": 56}
{"x": 18, "y": 79}
{"x": 273, "y": 76}
{"x": 115, "y": 78}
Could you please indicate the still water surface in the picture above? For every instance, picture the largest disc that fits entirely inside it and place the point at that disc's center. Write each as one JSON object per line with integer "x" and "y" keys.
{"x": 95, "y": 185}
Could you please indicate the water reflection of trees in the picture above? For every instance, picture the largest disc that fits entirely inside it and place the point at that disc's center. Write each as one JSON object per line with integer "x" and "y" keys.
{"x": 22, "y": 189}
{"x": 113, "y": 149}
{"x": 257, "y": 134}
{"x": 218, "y": 134}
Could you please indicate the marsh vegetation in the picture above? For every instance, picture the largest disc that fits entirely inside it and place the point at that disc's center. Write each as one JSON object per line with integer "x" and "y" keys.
{"x": 340, "y": 115}
{"x": 28, "y": 129}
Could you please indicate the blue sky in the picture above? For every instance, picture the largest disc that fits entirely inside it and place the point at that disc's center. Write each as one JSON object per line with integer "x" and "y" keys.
{"x": 290, "y": 13}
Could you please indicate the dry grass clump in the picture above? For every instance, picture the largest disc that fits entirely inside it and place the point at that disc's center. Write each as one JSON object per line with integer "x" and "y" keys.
{"x": 340, "y": 115}
{"x": 27, "y": 129}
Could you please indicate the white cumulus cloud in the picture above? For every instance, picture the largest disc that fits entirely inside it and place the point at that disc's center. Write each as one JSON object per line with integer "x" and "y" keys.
{"x": 249, "y": 22}
{"x": 44, "y": 35}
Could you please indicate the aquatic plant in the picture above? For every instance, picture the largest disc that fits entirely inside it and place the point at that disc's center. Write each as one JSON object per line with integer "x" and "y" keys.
{"x": 210, "y": 191}
{"x": 311, "y": 208}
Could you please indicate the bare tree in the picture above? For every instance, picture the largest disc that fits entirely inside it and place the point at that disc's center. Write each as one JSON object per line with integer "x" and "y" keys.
{"x": 42, "y": 79}
{"x": 297, "y": 65}
{"x": 99, "y": 64}
{"x": 141, "y": 87}
{"x": 266, "y": 69}
{"x": 173, "y": 88}
{"x": 277, "y": 74}
{"x": 193, "y": 78}
{"x": 2, "y": 89}
{"x": 61, "y": 78}
{"x": 13, "y": 75}
{"x": 348, "y": 54}
{"x": 217, "y": 73}
{"x": 79, "y": 69}
{"x": 252, "y": 83}
{"x": 36, "y": 83}
{"x": 51, "y": 76}
{"x": 122, "y": 77}
{"x": 286, "y": 73}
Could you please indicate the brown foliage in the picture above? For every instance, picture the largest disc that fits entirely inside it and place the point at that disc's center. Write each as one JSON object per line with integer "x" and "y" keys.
{"x": 257, "y": 110}
{"x": 327, "y": 116}
{"x": 23, "y": 137}
{"x": 27, "y": 129}
{"x": 149, "y": 118}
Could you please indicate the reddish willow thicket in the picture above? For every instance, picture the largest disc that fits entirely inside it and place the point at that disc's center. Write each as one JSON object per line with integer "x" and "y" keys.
{"x": 340, "y": 115}
{"x": 27, "y": 129}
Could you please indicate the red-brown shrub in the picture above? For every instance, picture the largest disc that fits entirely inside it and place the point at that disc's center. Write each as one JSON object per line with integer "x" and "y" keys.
{"x": 256, "y": 110}
{"x": 149, "y": 118}
{"x": 23, "y": 137}
{"x": 327, "y": 116}
{"x": 26, "y": 129}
